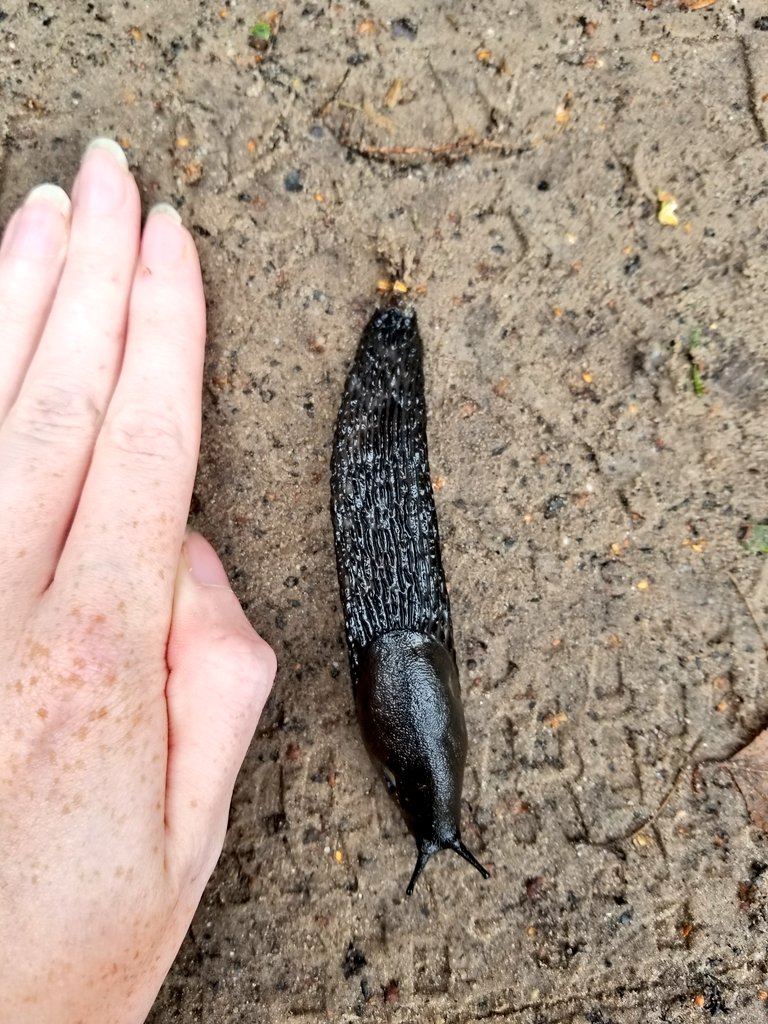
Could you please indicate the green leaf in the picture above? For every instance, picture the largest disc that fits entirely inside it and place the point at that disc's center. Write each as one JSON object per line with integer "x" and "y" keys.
{"x": 697, "y": 380}
{"x": 262, "y": 30}
{"x": 695, "y": 338}
{"x": 757, "y": 538}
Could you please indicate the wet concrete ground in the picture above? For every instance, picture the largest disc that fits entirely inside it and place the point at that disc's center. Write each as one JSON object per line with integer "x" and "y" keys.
{"x": 597, "y": 390}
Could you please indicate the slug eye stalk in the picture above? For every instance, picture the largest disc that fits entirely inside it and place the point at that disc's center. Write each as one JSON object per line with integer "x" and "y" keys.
{"x": 427, "y": 851}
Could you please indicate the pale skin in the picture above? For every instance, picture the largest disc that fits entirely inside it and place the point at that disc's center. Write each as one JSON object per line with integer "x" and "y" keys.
{"x": 131, "y": 681}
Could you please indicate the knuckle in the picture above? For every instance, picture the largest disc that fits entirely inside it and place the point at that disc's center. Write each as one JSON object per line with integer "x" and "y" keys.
{"x": 150, "y": 434}
{"x": 54, "y": 409}
{"x": 247, "y": 657}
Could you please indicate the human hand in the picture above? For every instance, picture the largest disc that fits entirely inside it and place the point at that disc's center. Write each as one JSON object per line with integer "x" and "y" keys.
{"x": 130, "y": 679}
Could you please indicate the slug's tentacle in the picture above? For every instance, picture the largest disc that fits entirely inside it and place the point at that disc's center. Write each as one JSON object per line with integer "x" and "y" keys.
{"x": 460, "y": 848}
{"x": 393, "y": 591}
{"x": 426, "y": 852}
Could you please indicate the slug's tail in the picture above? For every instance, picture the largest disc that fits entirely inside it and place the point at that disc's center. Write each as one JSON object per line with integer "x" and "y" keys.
{"x": 426, "y": 851}
{"x": 384, "y": 520}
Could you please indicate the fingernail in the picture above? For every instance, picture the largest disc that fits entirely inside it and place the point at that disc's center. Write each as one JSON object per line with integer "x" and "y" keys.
{"x": 52, "y": 194}
{"x": 39, "y": 229}
{"x": 163, "y": 240}
{"x": 99, "y": 189}
{"x": 109, "y": 146}
{"x": 167, "y": 210}
{"x": 204, "y": 564}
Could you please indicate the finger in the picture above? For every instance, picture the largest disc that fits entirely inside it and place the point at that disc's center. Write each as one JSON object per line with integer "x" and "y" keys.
{"x": 31, "y": 258}
{"x": 136, "y": 498}
{"x": 47, "y": 437}
{"x": 221, "y": 675}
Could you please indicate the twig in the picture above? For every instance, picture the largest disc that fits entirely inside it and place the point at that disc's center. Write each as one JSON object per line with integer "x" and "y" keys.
{"x": 751, "y": 610}
{"x": 444, "y": 151}
{"x": 651, "y": 819}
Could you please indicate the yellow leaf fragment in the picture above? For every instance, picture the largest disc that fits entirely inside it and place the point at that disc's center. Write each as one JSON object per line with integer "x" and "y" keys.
{"x": 666, "y": 213}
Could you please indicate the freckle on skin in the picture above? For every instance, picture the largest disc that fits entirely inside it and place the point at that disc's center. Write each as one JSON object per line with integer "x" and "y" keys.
{"x": 22, "y": 553}
{"x": 98, "y": 714}
{"x": 42, "y": 713}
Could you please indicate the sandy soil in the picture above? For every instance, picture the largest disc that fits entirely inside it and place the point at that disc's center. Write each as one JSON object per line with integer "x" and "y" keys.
{"x": 593, "y": 504}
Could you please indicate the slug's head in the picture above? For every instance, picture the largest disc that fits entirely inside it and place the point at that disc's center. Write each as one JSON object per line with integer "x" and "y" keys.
{"x": 412, "y": 720}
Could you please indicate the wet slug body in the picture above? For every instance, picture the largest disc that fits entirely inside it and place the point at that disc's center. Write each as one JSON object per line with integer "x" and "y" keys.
{"x": 396, "y": 609}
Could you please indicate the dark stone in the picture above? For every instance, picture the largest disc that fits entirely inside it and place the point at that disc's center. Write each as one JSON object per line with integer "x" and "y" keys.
{"x": 403, "y": 28}
{"x": 555, "y": 505}
{"x": 354, "y": 961}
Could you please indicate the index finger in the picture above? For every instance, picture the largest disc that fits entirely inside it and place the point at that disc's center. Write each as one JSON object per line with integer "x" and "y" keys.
{"x": 128, "y": 529}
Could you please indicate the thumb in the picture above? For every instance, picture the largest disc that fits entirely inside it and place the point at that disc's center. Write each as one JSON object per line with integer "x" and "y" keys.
{"x": 221, "y": 672}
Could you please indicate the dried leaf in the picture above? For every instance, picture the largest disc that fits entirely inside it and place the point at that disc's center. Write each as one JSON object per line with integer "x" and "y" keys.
{"x": 380, "y": 120}
{"x": 749, "y": 770}
{"x": 696, "y": 5}
{"x": 394, "y": 92}
{"x": 563, "y": 112}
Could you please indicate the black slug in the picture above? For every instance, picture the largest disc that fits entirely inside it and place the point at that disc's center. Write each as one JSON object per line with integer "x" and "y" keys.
{"x": 396, "y": 610}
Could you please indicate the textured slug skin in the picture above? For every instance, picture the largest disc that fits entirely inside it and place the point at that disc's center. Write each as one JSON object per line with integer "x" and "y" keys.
{"x": 396, "y": 610}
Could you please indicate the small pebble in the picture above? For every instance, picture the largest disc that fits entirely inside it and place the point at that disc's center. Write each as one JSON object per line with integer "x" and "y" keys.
{"x": 293, "y": 182}
{"x": 403, "y": 28}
